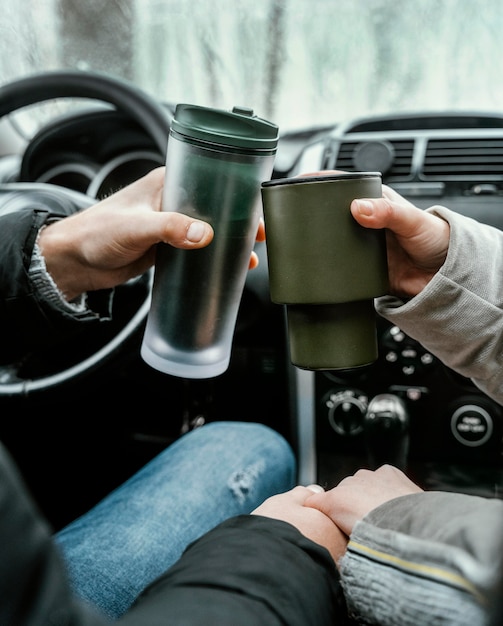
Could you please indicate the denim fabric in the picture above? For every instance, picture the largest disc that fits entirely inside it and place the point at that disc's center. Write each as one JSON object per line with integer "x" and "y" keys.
{"x": 139, "y": 530}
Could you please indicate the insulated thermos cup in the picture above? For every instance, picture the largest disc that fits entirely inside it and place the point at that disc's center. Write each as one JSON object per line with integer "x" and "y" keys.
{"x": 216, "y": 161}
{"x": 325, "y": 267}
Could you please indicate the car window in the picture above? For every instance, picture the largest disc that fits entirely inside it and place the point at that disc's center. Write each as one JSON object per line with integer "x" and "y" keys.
{"x": 300, "y": 63}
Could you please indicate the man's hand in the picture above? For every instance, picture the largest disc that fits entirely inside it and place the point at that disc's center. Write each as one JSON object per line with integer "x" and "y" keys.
{"x": 313, "y": 524}
{"x": 114, "y": 240}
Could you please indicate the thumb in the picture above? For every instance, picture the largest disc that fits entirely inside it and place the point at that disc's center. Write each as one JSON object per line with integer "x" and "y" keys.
{"x": 181, "y": 231}
{"x": 319, "y": 501}
{"x": 391, "y": 211}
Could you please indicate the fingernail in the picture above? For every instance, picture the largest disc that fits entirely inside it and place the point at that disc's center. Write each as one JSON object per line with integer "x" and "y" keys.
{"x": 315, "y": 488}
{"x": 195, "y": 232}
{"x": 365, "y": 208}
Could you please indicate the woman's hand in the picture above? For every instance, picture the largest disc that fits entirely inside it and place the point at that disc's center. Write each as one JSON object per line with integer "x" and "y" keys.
{"x": 417, "y": 241}
{"x": 357, "y": 495}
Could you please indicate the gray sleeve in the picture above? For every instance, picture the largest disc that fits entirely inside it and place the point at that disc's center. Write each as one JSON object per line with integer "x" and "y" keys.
{"x": 458, "y": 316}
{"x": 47, "y": 289}
{"x": 429, "y": 558}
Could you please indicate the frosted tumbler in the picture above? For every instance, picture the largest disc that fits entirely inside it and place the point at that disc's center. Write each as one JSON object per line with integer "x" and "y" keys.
{"x": 215, "y": 164}
{"x": 325, "y": 267}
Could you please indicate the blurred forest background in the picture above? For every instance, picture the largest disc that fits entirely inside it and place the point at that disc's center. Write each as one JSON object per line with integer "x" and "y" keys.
{"x": 298, "y": 63}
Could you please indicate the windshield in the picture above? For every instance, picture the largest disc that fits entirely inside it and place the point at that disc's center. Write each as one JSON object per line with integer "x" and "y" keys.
{"x": 299, "y": 63}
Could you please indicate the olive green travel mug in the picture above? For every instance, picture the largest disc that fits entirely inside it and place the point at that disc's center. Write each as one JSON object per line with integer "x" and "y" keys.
{"x": 325, "y": 267}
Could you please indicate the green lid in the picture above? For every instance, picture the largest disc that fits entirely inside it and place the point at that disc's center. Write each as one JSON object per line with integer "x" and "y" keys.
{"x": 238, "y": 128}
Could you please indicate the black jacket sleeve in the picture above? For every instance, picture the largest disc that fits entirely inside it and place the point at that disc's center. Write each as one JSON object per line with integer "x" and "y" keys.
{"x": 33, "y": 585}
{"x": 248, "y": 571}
{"x": 27, "y": 322}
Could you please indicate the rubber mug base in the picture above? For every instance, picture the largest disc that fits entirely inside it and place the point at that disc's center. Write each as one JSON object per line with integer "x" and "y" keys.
{"x": 181, "y": 368}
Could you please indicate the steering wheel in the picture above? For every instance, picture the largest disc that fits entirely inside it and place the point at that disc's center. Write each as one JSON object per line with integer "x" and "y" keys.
{"x": 155, "y": 121}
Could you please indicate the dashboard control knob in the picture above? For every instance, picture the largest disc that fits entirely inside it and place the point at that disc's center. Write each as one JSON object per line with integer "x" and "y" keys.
{"x": 471, "y": 425}
{"x": 346, "y": 411}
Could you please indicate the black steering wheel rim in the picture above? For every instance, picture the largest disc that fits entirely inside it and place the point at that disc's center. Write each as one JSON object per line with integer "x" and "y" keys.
{"x": 145, "y": 111}
{"x": 125, "y": 96}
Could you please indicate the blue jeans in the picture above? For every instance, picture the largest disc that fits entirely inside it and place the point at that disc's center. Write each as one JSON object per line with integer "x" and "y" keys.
{"x": 139, "y": 530}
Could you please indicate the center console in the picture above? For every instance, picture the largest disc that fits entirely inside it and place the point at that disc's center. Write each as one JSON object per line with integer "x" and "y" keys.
{"x": 406, "y": 409}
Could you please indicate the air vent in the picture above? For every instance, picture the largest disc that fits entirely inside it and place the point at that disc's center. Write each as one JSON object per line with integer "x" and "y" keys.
{"x": 401, "y": 164}
{"x": 475, "y": 159}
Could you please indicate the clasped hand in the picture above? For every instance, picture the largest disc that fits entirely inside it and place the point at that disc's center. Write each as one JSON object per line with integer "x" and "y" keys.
{"x": 328, "y": 517}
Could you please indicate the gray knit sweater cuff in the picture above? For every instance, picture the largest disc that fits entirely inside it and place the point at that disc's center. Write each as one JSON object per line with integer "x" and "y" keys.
{"x": 46, "y": 288}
